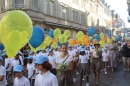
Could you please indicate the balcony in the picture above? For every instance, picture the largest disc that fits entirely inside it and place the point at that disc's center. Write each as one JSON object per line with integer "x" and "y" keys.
{"x": 36, "y": 8}
{"x": 19, "y": 6}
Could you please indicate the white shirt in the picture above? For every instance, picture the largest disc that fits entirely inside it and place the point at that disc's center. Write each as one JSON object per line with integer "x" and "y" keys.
{"x": 72, "y": 52}
{"x": 21, "y": 82}
{"x": 84, "y": 58}
{"x": 31, "y": 69}
{"x": 3, "y": 73}
{"x": 8, "y": 61}
{"x": 95, "y": 54}
{"x": 52, "y": 60}
{"x": 47, "y": 79}
{"x": 16, "y": 62}
{"x": 105, "y": 56}
{"x": 60, "y": 60}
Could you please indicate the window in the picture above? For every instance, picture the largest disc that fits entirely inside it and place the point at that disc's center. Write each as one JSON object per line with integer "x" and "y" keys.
{"x": 83, "y": 18}
{"x": 52, "y": 4}
{"x": 76, "y": 1}
{"x": 3, "y": 5}
{"x": 19, "y": 3}
{"x": 82, "y": 3}
{"x": 46, "y": 6}
{"x": 75, "y": 16}
{"x": 35, "y": 5}
{"x": 65, "y": 12}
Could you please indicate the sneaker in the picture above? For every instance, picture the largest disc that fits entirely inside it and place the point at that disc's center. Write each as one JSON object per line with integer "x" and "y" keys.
{"x": 128, "y": 70}
{"x": 83, "y": 79}
{"x": 105, "y": 72}
{"x": 87, "y": 84}
{"x": 74, "y": 79}
{"x": 124, "y": 69}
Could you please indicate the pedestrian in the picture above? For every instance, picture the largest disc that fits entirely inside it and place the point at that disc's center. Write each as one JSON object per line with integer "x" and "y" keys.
{"x": 20, "y": 79}
{"x": 3, "y": 81}
{"x": 105, "y": 59}
{"x": 74, "y": 55}
{"x": 96, "y": 61}
{"x": 113, "y": 55}
{"x": 45, "y": 77}
{"x": 84, "y": 63}
{"x": 65, "y": 78}
{"x": 126, "y": 55}
{"x": 31, "y": 70}
{"x": 52, "y": 60}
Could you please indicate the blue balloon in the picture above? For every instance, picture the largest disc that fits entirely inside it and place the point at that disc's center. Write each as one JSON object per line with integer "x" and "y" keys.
{"x": 59, "y": 44}
{"x": 51, "y": 33}
{"x": 98, "y": 37}
{"x": 91, "y": 40}
{"x": 38, "y": 37}
{"x": 2, "y": 46}
{"x": 91, "y": 31}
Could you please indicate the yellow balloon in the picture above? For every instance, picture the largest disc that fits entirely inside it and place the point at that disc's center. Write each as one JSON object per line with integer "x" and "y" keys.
{"x": 113, "y": 38}
{"x": 33, "y": 49}
{"x": 80, "y": 35}
{"x": 54, "y": 45}
{"x": 102, "y": 43}
{"x": 57, "y": 33}
{"x": 42, "y": 46}
{"x": 67, "y": 33}
{"x": 62, "y": 38}
{"x": 17, "y": 22}
{"x": 108, "y": 40}
{"x": 101, "y": 35}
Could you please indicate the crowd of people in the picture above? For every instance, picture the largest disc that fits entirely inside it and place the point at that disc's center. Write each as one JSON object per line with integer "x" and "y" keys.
{"x": 42, "y": 67}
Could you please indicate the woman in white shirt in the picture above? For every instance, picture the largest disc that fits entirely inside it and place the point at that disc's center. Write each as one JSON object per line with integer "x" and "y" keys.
{"x": 31, "y": 69}
{"x": 96, "y": 61}
{"x": 65, "y": 78}
{"x": 20, "y": 79}
{"x": 84, "y": 66}
{"x": 52, "y": 60}
{"x": 3, "y": 81}
{"x": 45, "y": 77}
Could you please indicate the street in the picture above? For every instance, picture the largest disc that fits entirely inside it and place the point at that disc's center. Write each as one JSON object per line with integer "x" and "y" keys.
{"x": 117, "y": 78}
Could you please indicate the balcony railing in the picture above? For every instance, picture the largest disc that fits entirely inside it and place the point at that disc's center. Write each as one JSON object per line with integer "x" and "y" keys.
{"x": 36, "y": 8}
{"x": 3, "y": 8}
{"x": 19, "y": 6}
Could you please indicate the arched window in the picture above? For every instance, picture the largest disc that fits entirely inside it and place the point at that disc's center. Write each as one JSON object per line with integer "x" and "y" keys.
{"x": 46, "y": 6}
{"x": 3, "y": 5}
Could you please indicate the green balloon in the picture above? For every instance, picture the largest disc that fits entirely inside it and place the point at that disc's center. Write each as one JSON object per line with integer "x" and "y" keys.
{"x": 80, "y": 35}
{"x": 63, "y": 38}
{"x": 57, "y": 33}
{"x": 67, "y": 33}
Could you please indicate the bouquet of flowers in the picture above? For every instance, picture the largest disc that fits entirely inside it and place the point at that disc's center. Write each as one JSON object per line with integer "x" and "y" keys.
{"x": 99, "y": 51}
{"x": 63, "y": 67}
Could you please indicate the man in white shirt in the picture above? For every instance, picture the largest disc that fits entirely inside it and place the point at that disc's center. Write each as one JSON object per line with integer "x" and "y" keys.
{"x": 3, "y": 81}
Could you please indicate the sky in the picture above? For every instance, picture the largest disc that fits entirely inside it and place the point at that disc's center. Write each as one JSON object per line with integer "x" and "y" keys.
{"x": 120, "y": 7}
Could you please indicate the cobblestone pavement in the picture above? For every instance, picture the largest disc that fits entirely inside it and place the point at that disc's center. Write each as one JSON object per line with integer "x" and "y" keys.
{"x": 117, "y": 78}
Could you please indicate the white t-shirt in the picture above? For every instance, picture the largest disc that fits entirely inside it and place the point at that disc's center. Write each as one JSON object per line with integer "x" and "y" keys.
{"x": 60, "y": 60}
{"x": 95, "y": 54}
{"x": 8, "y": 61}
{"x": 72, "y": 52}
{"x": 105, "y": 56}
{"x": 87, "y": 52}
{"x": 31, "y": 69}
{"x": 21, "y": 82}
{"x": 3, "y": 73}
{"x": 56, "y": 53}
{"x": 47, "y": 79}
{"x": 84, "y": 58}
{"x": 16, "y": 62}
{"x": 52, "y": 60}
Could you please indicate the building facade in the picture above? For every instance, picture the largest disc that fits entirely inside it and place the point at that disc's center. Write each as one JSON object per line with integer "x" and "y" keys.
{"x": 73, "y": 15}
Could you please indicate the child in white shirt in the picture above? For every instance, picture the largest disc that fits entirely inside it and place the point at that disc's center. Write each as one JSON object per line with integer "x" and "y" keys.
{"x": 3, "y": 81}
{"x": 20, "y": 79}
{"x": 45, "y": 77}
{"x": 31, "y": 70}
{"x": 105, "y": 59}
